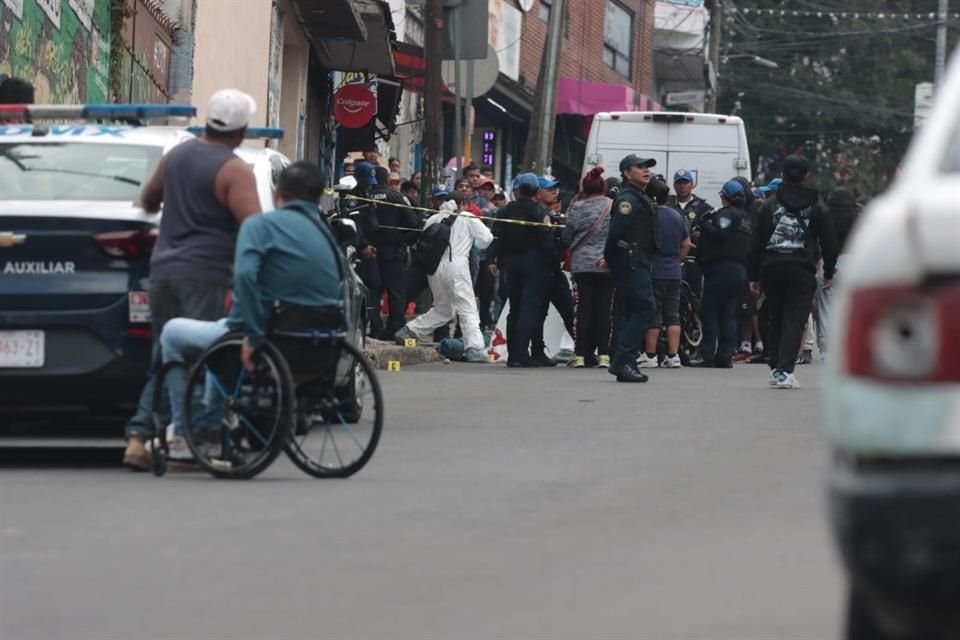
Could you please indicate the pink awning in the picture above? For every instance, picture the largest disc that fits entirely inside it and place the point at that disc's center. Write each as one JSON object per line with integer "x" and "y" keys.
{"x": 582, "y": 97}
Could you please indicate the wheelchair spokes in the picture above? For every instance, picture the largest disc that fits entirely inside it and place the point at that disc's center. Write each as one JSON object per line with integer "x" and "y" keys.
{"x": 338, "y": 425}
{"x": 254, "y": 410}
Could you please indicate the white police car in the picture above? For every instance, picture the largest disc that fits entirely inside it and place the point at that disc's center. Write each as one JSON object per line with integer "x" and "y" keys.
{"x": 892, "y": 401}
{"x": 74, "y": 250}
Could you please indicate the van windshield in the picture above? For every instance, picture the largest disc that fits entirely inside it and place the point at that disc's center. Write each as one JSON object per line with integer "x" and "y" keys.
{"x": 74, "y": 171}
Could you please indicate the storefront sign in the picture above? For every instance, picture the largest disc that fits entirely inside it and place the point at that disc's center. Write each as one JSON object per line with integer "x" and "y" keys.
{"x": 354, "y": 105}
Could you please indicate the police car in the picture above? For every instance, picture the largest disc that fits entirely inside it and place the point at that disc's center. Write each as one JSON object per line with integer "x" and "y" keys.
{"x": 75, "y": 250}
{"x": 892, "y": 403}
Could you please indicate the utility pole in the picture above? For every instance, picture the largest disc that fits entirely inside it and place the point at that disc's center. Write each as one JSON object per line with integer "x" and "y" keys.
{"x": 539, "y": 148}
{"x": 716, "y": 29}
{"x": 433, "y": 107}
{"x": 941, "y": 43}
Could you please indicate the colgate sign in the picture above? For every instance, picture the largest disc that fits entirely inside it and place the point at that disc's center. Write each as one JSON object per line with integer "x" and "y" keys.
{"x": 354, "y": 105}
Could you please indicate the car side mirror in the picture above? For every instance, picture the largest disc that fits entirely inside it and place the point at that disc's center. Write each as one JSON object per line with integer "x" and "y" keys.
{"x": 345, "y": 231}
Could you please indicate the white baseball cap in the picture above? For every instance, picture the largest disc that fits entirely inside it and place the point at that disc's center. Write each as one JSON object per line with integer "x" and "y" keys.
{"x": 230, "y": 110}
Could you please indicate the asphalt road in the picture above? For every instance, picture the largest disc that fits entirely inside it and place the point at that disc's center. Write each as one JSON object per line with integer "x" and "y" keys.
{"x": 500, "y": 504}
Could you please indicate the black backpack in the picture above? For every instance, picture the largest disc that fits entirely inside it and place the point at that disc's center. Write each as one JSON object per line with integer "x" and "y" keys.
{"x": 433, "y": 243}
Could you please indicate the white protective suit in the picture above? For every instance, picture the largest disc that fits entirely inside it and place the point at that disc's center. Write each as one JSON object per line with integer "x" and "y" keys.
{"x": 451, "y": 285}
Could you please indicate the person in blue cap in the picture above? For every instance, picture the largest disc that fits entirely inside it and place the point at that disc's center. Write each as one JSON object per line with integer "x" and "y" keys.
{"x": 369, "y": 271}
{"x": 633, "y": 240}
{"x": 692, "y": 208}
{"x": 525, "y": 253}
{"x": 723, "y": 252}
{"x": 561, "y": 297}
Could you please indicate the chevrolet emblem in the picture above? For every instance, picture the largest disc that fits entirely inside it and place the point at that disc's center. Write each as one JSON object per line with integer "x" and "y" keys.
{"x": 8, "y": 239}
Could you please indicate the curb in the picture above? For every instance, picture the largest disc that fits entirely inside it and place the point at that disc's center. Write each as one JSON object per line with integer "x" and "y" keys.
{"x": 381, "y": 353}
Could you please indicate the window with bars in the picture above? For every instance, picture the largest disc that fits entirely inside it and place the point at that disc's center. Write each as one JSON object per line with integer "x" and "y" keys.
{"x": 618, "y": 38}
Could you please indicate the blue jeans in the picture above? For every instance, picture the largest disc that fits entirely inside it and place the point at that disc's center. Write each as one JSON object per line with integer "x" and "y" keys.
{"x": 638, "y": 311}
{"x": 183, "y": 340}
{"x": 172, "y": 299}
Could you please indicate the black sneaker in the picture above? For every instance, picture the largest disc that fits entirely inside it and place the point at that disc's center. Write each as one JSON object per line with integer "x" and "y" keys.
{"x": 805, "y": 357}
{"x": 542, "y": 361}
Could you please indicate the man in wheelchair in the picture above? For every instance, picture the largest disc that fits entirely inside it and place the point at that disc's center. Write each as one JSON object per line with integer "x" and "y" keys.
{"x": 288, "y": 256}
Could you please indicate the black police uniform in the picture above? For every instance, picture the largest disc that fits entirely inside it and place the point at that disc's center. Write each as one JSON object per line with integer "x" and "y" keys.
{"x": 724, "y": 250}
{"x": 561, "y": 297}
{"x": 391, "y": 210}
{"x": 693, "y": 213}
{"x": 633, "y": 240}
{"x": 525, "y": 254}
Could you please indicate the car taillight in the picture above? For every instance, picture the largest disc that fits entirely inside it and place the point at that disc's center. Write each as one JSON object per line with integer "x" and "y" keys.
{"x": 128, "y": 245}
{"x": 905, "y": 334}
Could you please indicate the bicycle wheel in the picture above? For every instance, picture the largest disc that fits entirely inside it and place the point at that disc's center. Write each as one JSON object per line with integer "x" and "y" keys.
{"x": 236, "y": 421}
{"x": 338, "y": 428}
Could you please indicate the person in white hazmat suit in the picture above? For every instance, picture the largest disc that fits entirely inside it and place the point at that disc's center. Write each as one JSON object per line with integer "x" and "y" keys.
{"x": 451, "y": 285}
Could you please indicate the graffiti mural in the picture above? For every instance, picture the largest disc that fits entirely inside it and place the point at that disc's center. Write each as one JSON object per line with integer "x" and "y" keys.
{"x": 61, "y": 46}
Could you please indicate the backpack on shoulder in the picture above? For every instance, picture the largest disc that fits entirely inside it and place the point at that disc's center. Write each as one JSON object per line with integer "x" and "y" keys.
{"x": 433, "y": 243}
{"x": 791, "y": 230}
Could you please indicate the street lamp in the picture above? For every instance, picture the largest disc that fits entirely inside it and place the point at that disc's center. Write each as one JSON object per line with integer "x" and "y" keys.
{"x": 757, "y": 60}
{"x": 715, "y": 75}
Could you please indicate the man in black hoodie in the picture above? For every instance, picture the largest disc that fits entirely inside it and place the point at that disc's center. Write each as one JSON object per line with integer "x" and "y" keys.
{"x": 783, "y": 262}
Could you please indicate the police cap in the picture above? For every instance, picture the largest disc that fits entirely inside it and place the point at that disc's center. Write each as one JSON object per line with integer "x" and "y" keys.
{"x": 633, "y": 160}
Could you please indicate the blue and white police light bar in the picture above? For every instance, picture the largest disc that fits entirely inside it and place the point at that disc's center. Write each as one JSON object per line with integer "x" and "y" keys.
{"x": 95, "y": 111}
{"x": 253, "y": 133}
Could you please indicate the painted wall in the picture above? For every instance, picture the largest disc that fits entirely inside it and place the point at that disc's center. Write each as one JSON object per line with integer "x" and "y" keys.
{"x": 61, "y": 46}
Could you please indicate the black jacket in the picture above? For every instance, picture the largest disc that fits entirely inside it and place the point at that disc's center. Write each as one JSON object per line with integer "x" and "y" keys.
{"x": 725, "y": 235}
{"x": 391, "y": 210}
{"x": 514, "y": 240}
{"x": 804, "y": 235}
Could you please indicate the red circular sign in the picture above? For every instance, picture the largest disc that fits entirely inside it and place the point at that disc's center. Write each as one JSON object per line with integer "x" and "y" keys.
{"x": 354, "y": 105}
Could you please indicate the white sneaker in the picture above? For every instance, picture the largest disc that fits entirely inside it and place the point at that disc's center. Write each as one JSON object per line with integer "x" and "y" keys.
{"x": 671, "y": 362}
{"x": 787, "y": 381}
{"x": 179, "y": 450}
{"x": 774, "y": 373}
{"x": 646, "y": 362}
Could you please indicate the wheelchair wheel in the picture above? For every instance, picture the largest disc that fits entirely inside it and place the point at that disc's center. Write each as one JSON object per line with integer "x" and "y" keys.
{"x": 338, "y": 428}
{"x": 235, "y": 421}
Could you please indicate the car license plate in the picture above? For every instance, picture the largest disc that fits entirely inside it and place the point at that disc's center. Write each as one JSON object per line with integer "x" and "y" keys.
{"x": 21, "y": 349}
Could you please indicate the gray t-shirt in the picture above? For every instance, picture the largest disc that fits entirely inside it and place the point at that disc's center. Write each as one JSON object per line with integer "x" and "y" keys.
{"x": 197, "y": 233}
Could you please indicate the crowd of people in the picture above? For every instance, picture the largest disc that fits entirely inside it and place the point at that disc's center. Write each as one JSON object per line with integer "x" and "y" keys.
{"x": 612, "y": 263}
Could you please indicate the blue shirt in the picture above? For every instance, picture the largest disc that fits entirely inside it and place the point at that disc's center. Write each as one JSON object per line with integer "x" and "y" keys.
{"x": 282, "y": 256}
{"x": 673, "y": 231}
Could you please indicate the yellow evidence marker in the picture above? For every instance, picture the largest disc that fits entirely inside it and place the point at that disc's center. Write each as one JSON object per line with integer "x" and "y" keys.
{"x": 393, "y": 365}
{"x": 409, "y": 342}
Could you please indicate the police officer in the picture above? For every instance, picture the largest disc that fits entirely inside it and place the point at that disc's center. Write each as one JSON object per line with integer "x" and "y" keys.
{"x": 692, "y": 208}
{"x": 633, "y": 240}
{"x": 723, "y": 253}
{"x": 393, "y": 214}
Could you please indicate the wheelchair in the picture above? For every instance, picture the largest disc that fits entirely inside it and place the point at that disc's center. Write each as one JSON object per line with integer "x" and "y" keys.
{"x": 312, "y": 394}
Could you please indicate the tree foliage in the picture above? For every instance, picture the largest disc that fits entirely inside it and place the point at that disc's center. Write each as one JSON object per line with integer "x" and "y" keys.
{"x": 843, "y": 92}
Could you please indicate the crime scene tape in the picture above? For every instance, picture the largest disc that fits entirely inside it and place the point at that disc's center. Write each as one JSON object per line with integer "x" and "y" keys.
{"x": 466, "y": 214}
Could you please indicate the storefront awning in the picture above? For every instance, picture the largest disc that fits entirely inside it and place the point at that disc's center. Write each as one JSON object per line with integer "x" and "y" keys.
{"x": 581, "y": 97}
{"x": 350, "y": 35}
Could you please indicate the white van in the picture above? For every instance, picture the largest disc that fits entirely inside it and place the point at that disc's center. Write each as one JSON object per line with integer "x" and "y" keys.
{"x": 711, "y": 146}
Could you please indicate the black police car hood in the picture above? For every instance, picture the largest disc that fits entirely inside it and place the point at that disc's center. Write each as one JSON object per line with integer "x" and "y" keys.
{"x": 797, "y": 197}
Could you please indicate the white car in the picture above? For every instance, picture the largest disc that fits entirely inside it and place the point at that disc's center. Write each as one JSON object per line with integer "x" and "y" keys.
{"x": 892, "y": 400}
